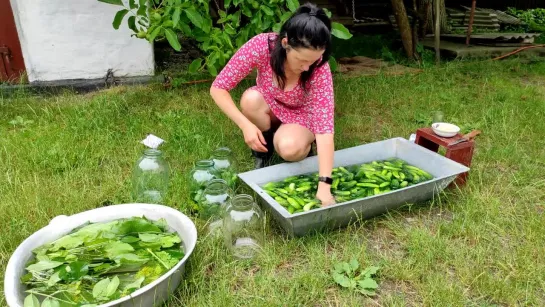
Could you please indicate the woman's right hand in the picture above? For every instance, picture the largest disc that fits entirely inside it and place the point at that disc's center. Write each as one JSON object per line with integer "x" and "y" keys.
{"x": 254, "y": 138}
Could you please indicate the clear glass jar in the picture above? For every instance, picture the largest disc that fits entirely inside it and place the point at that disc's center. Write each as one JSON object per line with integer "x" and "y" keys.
{"x": 199, "y": 177}
{"x": 243, "y": 227}
{"x": 226, "y": 165}
{"x": 213, "y": 202}
{"x": 150, "y": 177}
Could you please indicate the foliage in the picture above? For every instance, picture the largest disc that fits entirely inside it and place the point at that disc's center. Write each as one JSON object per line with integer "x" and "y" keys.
{"x": 101, "y": 262}
{"x": 348, "y": 275}
{"x": 534, "y": 18}
{"x": 236, "y": 23}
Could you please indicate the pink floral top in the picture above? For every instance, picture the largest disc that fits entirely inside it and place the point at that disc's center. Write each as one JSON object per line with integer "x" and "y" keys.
{"x": 313, "y": 109}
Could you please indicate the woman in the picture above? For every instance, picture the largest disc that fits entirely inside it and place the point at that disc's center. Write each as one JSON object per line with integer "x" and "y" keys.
{"x": 292, "y": 105}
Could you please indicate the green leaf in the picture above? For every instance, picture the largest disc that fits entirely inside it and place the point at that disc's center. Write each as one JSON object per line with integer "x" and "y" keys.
{"x": 346, "y": 268}
{"x": 340, "y": 31}
{"x": 212, "y": 70}
{"x": 246, "y": 11}
{"x": 31, "y": 301}
{"x": 132, "y": 23}
{"x": 132, "y": 4}
{"x": 333, "y": 64}
{"x": 368, "y": 272}
{"x": 229, "y": 30}
{"x": 143, "y": 2}
{"x": 354, "y": 265}
{"x": 166, "y": 259}
{"x": 117, "y": 248}
{"x": 130, "y": 239}
{"x": 173, "y": 39}
{"x": 130, "y": 258}
{"x": 195, "y": 17}
{"x": 185, "y": 29}
{"x": 136, "y": 225}
{"x": 43, "y": 266}
{"x": 327, "y": 12}
{"x": 339, "y": 268}
{"x": 135, "y": 285}
{"x": 115, "y": 2}
{"x": 75, "y": 271}
{"x": 49, "y": 302}
{"x": 118, "y": 18}
{"x": 195, "y": 65}
{"x": 142, "y": 10}
{"x": 176, "y": 16}
{"x": 276, "y": 27}
{"x": 342, "y": 280}
{"x": 55, "y": 278}
{"x": 67, "y": 242}
{"x": 267, "y": 10}
{"x": 112, "y": 286}
{"x": 227, "y": 4}
{"x": 367, "y": 283}
{"x": 293, "y": 5}
{"x": 154, "y": 33}
{"x": 99, "y": 290}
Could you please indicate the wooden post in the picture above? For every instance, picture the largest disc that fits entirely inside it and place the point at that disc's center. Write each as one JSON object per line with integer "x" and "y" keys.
{"x": 437, "y": 31}
{"x": 404, "y": 27}
{"x": 471, "y": 17}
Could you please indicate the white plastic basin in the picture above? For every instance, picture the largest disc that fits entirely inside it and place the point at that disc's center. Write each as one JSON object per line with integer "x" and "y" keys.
{"x": 152, "y": 294}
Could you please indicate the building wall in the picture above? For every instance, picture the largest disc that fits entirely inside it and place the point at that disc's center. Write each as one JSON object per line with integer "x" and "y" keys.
{"x": 74, "y": 39}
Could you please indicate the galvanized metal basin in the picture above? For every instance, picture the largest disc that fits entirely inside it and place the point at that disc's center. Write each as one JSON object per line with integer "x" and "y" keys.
{"x": 443, "y": 170}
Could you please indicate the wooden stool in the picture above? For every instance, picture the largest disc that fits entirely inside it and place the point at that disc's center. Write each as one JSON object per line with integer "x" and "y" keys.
{"x": 461, "y": 152}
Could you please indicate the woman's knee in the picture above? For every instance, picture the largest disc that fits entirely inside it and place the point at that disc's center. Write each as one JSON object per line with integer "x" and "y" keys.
{"x": 291, "y": 149}
{"x": 251, "y": 102}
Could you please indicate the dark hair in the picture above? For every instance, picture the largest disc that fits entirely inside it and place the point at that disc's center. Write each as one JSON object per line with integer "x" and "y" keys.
{"x": 308, "y": 27}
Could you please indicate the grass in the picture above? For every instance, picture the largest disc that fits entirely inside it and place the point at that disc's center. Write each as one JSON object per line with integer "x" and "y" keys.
{"x": 481, "y": 245}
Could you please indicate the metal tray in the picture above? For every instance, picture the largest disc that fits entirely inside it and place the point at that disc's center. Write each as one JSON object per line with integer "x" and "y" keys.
{"x": 442, "y": 169}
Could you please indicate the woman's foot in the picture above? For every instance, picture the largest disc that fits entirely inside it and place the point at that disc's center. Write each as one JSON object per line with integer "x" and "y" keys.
{"x": 263, "y": 159}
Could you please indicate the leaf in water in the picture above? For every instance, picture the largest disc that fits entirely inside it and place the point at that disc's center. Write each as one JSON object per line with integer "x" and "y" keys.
{"x": 75, "y": 271}
{"x": 112, "y": 286}
{"x": 130, "y": 239}
{"x": 31, "y": 301}
{"x": 55, "y": 278}
{"x": 368, "y": 283}
{"x": 129, "y": 258}
{"x": 67, "y": 242}
{"x": 175, "y": 253}
{"x": 368, "y": 272}
{"x": 354, "y": 264}
{"x": 167, "y": 259}
{"x": 342, "y": 280}
{"x": 43, "y": 265}
{"x": 99, "y": 290}
{"x": 117, "y": 248}
{"x": 49, "y": 302}
{"x": 170, "y": 240}
{"x": 148, "y": 237}
{"x": 136, "y": 225}
{"x": 136, "y": 284}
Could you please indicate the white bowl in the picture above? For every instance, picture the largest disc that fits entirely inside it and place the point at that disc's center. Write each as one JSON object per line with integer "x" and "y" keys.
{"x": 445, "y": 129}
{"x": 152, "y": 294}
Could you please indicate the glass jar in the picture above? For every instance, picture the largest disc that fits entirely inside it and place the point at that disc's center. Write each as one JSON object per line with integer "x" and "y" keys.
{"x": 150, "y": 177}
{"x": 199, "y": 177}
{"x": 243, "y": 227}
{"x": 226, "y": 165}
{"x": 213, "y": 202}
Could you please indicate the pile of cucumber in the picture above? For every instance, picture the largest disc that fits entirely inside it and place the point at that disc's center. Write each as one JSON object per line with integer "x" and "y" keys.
{"x": 297, "y": 193}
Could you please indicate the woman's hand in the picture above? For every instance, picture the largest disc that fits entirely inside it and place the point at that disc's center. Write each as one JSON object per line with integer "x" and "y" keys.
{"x": 324, "y": 194}
{"x": 254, "y": 138}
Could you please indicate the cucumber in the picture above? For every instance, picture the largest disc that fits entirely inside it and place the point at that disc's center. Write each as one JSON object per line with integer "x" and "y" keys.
{"x": 367, "y": 185}
{"x": 293, "y": 203}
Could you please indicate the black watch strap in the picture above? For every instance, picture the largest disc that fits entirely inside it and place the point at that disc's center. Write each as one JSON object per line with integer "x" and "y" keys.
{"x": 327, "y": 180}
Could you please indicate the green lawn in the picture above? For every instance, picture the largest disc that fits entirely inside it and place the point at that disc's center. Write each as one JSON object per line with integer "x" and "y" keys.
{"x": 482, "y": 245}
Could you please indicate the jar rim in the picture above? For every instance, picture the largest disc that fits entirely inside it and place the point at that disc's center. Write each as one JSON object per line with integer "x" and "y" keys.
{"x": 222, "y": 152}
{"x": 242, "y": 200}
{"x": 217, "y": 184}
{"x": 204, "y": 163}
{"x": 152, "y": 152}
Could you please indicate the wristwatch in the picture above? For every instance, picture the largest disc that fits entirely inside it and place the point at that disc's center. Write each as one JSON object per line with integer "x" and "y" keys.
{"x": 327, "y": 180}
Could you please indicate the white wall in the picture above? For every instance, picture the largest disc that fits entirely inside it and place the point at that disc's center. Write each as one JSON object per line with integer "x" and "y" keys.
{"x": 74, "y": 39}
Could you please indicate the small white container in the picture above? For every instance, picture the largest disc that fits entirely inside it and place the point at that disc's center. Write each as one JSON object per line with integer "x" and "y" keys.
{"x": 153, "y": 294}
{"x": 445, "y": 129}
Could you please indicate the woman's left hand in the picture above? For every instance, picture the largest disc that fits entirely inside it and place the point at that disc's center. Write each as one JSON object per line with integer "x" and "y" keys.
{"x": 324, "y": 194}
